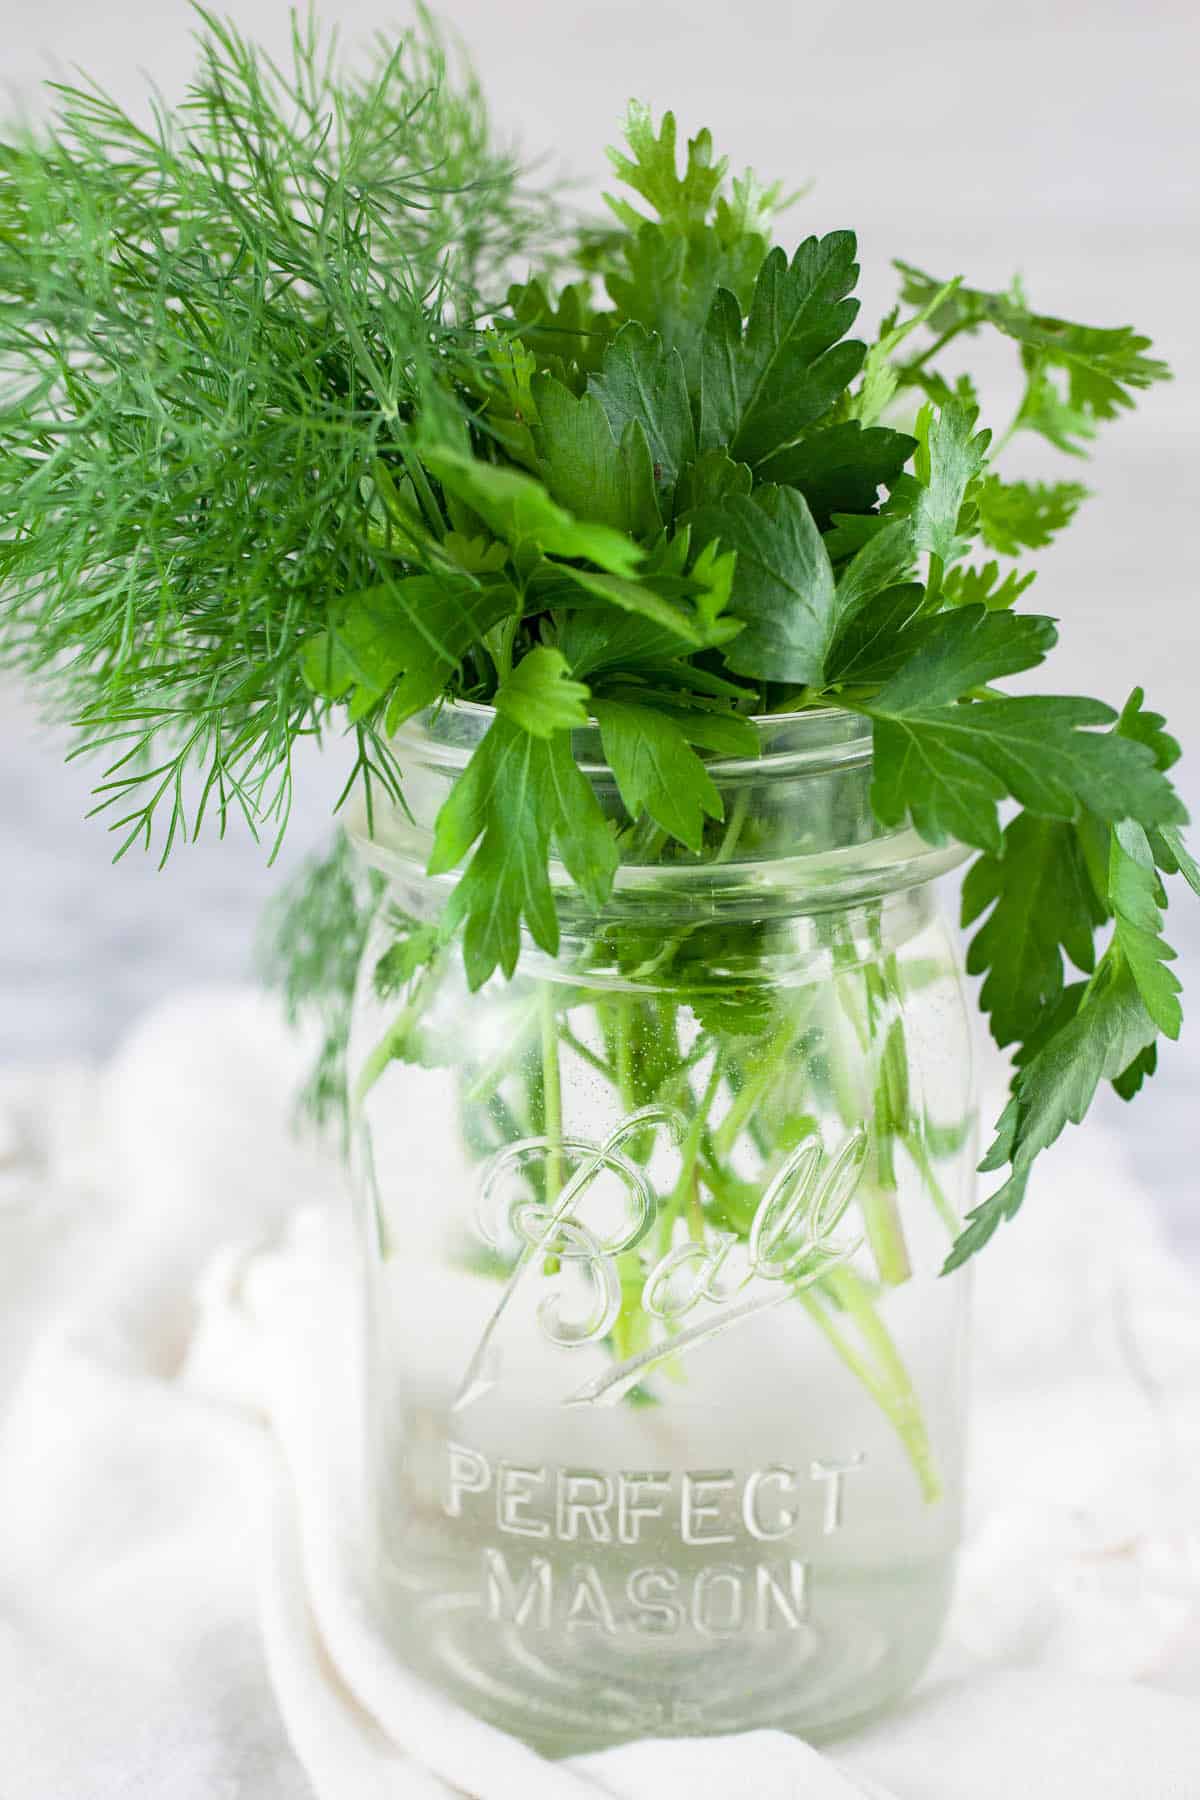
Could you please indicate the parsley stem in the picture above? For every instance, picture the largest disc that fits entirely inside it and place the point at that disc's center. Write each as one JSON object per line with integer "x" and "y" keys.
{"x": 882, "y": 1372}
{"x": 552, "y": 1094}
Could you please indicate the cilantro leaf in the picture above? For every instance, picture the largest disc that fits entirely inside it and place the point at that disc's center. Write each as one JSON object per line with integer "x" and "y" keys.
{"x": 948, "y": 765}
{"x": 1107, "y": 1033}
{"x": 656, "y": 769}
{"x": 1136, "y": 896}
{"x": 586, "y": 470}
{"x": 517, "y": 509}
{"x": 841, "y": 468}
{"x": 643, "y": 381}
{"x": 759, "y": 391}
{"x": 1016, "y": 515}
{"x": 540, "y": 696}
{"x": 1043, "y": 903}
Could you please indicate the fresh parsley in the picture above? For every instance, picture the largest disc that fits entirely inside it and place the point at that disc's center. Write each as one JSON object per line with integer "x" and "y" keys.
{"x": 281, "y": 448}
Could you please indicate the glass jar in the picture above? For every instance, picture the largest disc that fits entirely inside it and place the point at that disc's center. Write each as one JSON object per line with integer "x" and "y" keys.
{"x": 665, "y": 1394}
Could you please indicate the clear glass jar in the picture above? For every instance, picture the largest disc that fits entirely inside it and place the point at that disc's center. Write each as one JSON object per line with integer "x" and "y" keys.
{"x": 665, "y": 1394}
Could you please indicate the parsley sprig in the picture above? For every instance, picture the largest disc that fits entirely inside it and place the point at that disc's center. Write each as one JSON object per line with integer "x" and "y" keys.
{"x": 277, "y": 450}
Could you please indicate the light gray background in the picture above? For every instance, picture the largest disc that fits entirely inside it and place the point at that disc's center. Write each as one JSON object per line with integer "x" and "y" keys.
{"x": 1058, "y": 138}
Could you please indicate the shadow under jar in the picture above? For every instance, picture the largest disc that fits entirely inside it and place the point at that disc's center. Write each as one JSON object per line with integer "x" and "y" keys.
{"x": 664, "y": 1392}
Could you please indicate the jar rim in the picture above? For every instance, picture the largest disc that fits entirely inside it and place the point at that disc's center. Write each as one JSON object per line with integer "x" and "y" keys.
{"x": 813, "y": 738}
{"x": 825, "y": 745}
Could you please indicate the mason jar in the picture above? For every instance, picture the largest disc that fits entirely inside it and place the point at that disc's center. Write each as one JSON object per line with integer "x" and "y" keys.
{"x": 665, "y": 1389}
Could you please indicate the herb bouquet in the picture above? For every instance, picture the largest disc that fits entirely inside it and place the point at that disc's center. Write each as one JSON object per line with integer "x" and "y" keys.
{"x": 667, "y": 619}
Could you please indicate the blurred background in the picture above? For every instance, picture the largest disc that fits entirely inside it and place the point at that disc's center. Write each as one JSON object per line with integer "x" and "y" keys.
{"x": 1058, "y": 140}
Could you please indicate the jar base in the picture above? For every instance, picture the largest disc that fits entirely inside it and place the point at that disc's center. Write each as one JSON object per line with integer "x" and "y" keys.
{"x": 559, "y": 1676}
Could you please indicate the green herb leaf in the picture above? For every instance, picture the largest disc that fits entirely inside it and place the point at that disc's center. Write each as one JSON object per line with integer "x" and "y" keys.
{"x": 405, "y": 639}
{"x": 567, "y": 336}
{"x": 965, "y": 649}
{"x": 1136, "y": 896}
{"x": 515, "y": 796}
{"x": 841, "y": 469}
{"x": 656, "y": 769}
{"x": 540, "y": 695}
{"x": 642, "y": 383}
{"x": 759, "y": 391}
{"x": 712, "y": 478}
{"x": 874, "y": 641}
{"x": 948, "y": 765}
{"x": 1104, "y": 368}
{"x": 964, "y": 586}
{"x": 518, "y": 509}
{"x": 1149, "y": 728}
{"x": 1043, "y": 904}
{"x": 1172, "y": 854}
{"x": 653, "y": 173}
{"x": 783, "y": 586}
{"x": 1016, "y": 515}
{"x": 1109, "y": 1031}
{"x": 950, "y": 456}
{"x": 586, "y": 470}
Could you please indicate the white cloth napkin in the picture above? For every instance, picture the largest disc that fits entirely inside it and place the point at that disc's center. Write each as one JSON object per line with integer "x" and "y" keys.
{"x": 181, "y": 1609}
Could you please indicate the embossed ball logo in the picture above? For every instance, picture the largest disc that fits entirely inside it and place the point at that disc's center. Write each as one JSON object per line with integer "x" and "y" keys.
{"x": 794, "y": 1238}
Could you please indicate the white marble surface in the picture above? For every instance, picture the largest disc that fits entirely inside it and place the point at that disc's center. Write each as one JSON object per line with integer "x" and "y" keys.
{"x": 1059, "y": 138}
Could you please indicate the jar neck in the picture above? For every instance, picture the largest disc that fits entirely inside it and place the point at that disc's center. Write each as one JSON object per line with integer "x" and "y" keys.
{"x": 796, "y": 837}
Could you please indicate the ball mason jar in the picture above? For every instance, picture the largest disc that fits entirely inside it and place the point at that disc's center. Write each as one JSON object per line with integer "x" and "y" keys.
{"x": 664, "y": 1390}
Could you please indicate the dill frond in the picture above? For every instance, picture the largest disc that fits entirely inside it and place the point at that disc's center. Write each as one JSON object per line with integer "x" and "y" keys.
{"x": 211, "y": 329}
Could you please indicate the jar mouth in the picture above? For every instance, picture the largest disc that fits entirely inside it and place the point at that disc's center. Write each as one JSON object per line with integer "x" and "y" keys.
{"x": 796, "y": 831}
{"x": 789, "y": 743}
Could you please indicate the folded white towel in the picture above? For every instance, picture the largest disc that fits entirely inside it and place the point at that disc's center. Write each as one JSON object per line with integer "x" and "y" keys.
{"x": 178, "y": 1484}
